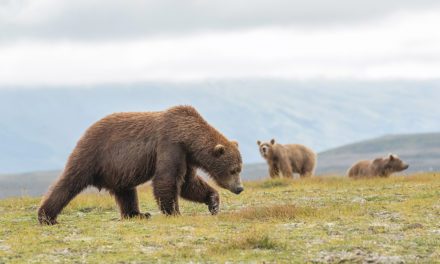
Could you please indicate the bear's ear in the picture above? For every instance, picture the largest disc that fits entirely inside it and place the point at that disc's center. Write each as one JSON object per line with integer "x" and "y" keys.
{"x": 219, "y": 150}
{"x": 258, "y": 142}
{"x": 235, "y": 142}
{"x": 272, "y": 141}
{"x": 392, "y": 157}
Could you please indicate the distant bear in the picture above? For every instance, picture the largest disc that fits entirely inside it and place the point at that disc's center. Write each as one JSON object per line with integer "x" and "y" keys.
{"x": 380, "y": 167}
{"x": 124, "y": 150}
{"x": 284, "y": 160}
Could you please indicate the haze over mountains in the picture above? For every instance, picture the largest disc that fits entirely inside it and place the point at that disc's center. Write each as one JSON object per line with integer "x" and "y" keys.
{"x": 39, "y": 127}
{"x": 421, "y": 151}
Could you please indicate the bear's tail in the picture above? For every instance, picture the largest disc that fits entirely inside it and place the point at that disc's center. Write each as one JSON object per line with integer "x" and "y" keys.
{"x": 60, "y": 194}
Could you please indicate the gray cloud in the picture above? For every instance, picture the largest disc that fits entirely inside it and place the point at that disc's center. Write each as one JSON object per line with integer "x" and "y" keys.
{"x": 111, "y": 19}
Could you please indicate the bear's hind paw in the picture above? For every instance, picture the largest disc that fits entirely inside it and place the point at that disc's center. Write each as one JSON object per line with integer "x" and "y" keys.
{"x": 145, "y": 216}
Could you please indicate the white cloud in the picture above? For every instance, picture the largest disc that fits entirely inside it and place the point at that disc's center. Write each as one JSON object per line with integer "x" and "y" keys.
{"x": 403, "y": 46}
{"x": 113, "y": 19}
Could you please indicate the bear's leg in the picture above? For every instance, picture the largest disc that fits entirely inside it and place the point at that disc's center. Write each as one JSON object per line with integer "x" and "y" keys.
{"x": 166, "y": 193}
{"x": 307, "y": 170}
{"x": 286, "y": 170}
{"x": 127, "y": 201}
{"x": 274, "y": 172}
{"x": 197, "y": 190}
{"x": 61, "y": 193}
{"x": 167, "y": 182}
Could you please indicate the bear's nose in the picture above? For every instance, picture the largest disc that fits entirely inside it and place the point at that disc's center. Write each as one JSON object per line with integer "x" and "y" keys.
{"x": 238, "y": 190}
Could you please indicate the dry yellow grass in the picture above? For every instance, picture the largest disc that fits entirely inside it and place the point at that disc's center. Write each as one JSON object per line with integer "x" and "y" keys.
{"x": 265, "y": 213}
{"x": 321, "y": 220}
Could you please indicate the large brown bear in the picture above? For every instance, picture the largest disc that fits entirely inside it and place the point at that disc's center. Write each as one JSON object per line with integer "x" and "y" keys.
{"x": 124, "y": 150}
{"x": 380, "y": 167}
{"x": 284, "y": 160}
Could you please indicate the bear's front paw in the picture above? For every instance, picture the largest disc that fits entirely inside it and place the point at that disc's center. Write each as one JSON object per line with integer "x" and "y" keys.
{"x": 47, "y": 221}
{"x": 214, "y": 203}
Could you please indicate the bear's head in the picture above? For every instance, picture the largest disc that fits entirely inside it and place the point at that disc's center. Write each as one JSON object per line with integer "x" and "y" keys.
{"x": 226, "y": 165}
{"x": 266, "y": 148}
{"x": 395, "y": 164}
{"x": 392, "y": 164}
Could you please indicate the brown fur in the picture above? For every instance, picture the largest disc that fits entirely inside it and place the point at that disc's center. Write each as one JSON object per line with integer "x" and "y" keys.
{"x": 380, "y": 167}
{"x": 124, "y": 150}
{"x": 284, "y": 160}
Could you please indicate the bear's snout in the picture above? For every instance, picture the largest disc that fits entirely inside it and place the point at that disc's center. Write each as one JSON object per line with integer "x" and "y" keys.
{"x": 264, "y": 151}
{"x": 406, "y": 166}
{"x": 238, "y": 190}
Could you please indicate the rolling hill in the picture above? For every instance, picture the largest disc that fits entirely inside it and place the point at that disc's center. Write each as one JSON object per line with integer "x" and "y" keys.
{"x": 39, "y": 126}
{"x": 421, "y": 151}
{"x": 26, "y": 184}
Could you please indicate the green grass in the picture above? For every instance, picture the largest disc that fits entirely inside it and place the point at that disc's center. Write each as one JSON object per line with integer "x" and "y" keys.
{"x": 317, "y": 220}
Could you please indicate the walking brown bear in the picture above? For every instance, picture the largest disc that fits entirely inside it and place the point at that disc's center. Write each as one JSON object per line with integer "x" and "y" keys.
{"x": 284, "y": 160}
{"x": 380, "y": 167}
{"x": 124, "y": 150}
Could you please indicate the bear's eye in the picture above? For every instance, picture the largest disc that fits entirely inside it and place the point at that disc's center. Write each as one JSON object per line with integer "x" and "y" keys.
{"x": 235, "y": 171}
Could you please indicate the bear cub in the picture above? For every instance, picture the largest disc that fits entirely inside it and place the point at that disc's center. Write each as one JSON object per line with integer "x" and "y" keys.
{"x": 285, "y": 160}
{"x": 380, "y": 167}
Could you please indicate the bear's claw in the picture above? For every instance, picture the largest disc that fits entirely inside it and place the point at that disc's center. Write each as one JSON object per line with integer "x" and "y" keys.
{"x": 47, "y": 221}
{"x": 137, "y": 215}
{"x": 145, "y": 216}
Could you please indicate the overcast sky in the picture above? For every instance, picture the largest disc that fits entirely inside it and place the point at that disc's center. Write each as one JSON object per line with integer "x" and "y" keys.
{"x": 54, "y": 42}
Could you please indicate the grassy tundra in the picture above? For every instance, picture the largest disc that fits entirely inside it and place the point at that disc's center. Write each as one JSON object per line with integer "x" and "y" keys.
{"x": 316, "y": 220}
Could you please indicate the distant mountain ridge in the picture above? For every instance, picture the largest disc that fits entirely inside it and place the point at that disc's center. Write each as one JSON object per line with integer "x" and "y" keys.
{"x": 421, "y": 151}
{"x": 39, "y": 126}
{"x": 24, "y": 184}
